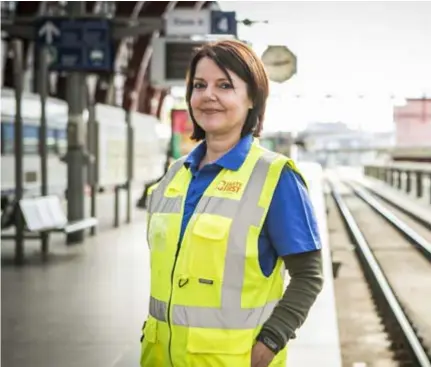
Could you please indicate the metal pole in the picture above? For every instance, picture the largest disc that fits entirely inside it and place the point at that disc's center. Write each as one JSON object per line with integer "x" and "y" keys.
{"x": 75, "y": 88}
{"x": 4, "y": 49}
{"x": 129, "y": 155}
{"x": 429, "y": 182}
{"x": 92, "y": 147}
{"x": 43, "y": 84}
{"x": 382, "y": 174}
{"x": 419, "y": 184}
{"x": 18, "y": 80}
{"x": 116, "y": 206}
{"x": 409, "y": 182}
{"x": 400, "y": 179}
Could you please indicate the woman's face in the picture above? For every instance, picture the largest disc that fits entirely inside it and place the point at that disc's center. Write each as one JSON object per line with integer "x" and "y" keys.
{"x": 218, "y": 106}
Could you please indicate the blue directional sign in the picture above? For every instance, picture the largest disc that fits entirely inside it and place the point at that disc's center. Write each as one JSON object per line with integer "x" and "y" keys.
{"x": 223, "y": 22}
{"x": 79, "y": 44}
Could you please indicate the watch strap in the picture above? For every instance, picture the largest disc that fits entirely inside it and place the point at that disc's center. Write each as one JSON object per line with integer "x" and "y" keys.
{"x": 269, "y": 341}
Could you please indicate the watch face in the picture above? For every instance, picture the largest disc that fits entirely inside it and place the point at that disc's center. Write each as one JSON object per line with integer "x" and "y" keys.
{"x": 270, "y": 343}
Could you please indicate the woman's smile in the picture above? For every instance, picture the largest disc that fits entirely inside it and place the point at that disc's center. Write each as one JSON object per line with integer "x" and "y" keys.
{"x": 210, "y": 111}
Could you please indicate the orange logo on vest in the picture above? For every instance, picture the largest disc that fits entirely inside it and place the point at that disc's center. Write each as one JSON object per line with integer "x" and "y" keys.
{"x": 231, "y": 186}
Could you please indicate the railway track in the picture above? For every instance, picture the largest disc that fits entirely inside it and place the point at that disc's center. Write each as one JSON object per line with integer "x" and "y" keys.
{"x": 390, "y": 252}
{"x": 407, "y": 224}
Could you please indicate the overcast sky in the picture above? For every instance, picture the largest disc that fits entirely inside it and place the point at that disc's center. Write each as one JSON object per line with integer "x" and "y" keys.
{"x": 376, "y": 49}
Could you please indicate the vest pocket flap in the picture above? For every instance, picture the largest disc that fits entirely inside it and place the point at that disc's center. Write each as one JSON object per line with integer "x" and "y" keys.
{"x": 217, "y": 341}
{"x": 150, "y": 330}
{"x": 209, "y": 226}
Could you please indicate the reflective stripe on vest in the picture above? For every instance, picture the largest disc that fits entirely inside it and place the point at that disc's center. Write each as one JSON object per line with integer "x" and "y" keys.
{"x": 230, "y": 315}
{"x": 157, "y": 198}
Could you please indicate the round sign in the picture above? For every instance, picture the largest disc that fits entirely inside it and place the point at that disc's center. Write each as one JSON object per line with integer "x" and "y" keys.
{"x": 280, "y": 63}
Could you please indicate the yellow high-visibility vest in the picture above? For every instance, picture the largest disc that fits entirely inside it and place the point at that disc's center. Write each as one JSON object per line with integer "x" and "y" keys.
{"x": 209, "y": 298}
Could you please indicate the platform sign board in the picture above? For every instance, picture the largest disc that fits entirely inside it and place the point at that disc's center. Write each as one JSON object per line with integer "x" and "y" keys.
{"x": 172, "y": 54}
{"x": 79, "y": 44}
{"x": 182, "y": 129}
{"x": 170, "y": 61}
{"x": 188, "y": 22}
{"x": 223, "y": 22}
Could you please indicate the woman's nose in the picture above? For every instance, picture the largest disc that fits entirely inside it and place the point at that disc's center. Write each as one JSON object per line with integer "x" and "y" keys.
{"x": 209, "y": 93}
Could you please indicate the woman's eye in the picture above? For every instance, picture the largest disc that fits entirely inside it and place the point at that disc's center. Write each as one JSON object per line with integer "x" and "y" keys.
{"x": 226, "y": 86}
{"x": 198, "y": 85}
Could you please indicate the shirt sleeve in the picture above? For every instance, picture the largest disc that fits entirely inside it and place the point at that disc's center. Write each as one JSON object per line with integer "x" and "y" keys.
{"x": 291, "y": 223}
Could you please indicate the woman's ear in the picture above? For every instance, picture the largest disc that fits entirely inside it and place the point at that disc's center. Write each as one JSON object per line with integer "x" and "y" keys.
{"x": 250, "y": 103}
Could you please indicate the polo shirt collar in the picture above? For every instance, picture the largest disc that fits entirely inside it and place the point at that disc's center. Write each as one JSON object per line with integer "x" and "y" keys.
{"x": 232, "y": 160}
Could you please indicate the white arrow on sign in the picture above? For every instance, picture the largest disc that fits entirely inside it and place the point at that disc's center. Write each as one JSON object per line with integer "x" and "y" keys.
{"x": 49, "y": 30}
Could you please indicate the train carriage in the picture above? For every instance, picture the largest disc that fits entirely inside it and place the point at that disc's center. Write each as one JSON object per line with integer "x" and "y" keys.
{"x": 149, "y": 146}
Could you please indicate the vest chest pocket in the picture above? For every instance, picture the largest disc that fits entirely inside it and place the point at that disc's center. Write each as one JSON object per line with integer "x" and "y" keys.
{"x": 207, "y": 246}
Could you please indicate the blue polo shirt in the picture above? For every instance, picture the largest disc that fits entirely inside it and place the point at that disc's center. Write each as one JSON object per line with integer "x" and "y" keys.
{"x": 290, "y": 226}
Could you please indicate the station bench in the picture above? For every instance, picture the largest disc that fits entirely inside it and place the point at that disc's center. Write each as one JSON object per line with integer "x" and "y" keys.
{"x": 44, "y": 215}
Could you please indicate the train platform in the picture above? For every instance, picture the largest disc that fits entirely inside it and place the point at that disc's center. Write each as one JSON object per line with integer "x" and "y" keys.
{"x": 85, "y": 305}
{"x": 317, "y": 342}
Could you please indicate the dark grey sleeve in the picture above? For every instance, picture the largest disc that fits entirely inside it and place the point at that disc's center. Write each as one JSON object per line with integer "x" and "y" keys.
{"x": 306, "y": 282}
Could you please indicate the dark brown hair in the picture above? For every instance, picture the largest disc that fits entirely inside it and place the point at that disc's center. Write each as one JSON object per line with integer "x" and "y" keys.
{"x": 240, "y": 59}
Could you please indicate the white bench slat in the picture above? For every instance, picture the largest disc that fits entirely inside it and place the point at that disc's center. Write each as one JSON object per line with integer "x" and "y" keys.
{"x": 43, "y": 213}
{"x": 80, "y": 224}
{"x": 46, "y": 213}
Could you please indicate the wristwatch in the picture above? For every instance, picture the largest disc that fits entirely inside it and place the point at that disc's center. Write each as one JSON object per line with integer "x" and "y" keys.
{"x": 269, "y": 342}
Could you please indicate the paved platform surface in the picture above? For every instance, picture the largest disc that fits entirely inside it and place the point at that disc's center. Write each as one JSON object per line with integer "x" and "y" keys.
{"x": 84, "y": 307}
{"x": 317, "y": 342}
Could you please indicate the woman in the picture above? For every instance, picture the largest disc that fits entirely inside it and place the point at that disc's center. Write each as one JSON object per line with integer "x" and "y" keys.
{"x": 223, "y": 225}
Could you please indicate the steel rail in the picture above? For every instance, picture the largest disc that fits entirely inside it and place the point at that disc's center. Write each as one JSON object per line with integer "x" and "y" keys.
{"x": 380, "y": 284}
{"x": 415, "y": 238}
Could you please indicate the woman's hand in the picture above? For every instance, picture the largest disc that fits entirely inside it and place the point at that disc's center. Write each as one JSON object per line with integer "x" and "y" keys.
{"x": 261, "y": 355}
